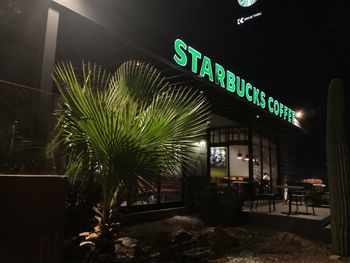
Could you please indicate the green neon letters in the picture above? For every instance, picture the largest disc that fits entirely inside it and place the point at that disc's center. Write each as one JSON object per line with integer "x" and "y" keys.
{"x": 206, "y": 68}
{"x": 195, "y": 56}
{"x": 240, "y": 86}
{"x": 262, "y": 99}
{"x": 248, "y": 87}
{"x": 228, "y": 80}
{"x": 219, "y": 75}
{"x": 180, "y": 56}
{"x": 256, "y": 96}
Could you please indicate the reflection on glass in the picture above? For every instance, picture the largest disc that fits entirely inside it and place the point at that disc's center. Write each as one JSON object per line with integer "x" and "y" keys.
{"x": 170, "y": 190}
{"x": 146, "y": 194}
{"x": 274, "y": 168}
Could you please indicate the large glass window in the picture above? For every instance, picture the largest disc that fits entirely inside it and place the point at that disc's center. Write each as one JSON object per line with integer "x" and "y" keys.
{"x": 266, "y": 178}
{"x": 171, "y": 186}
{"x": 274, "y": 167}
{"x": 229, "y": 163}
{"x": 239, "y": 162}
{"x": 256, "y": 157}
{"x": 265, "y": 167}
{"x": 167, "y": 189}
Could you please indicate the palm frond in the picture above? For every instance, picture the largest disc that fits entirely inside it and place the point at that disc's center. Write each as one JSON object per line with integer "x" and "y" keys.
{"x": 133, "y": 125}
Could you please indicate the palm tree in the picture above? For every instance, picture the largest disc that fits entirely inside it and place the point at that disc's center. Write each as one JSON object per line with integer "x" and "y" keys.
{"x": 126, "y": 129}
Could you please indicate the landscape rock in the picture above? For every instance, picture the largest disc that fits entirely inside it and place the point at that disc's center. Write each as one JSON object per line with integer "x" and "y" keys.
{"x": 127, "y": 248}
{"x": 197, "y": 254}
{"x": 181, "y": 236}
{"x": 305, "y": 243}
{"x": 127, "y": 242}
{"x": 220, "y": 240}
{"x": 186, "y": 222}
{"x": 288, "y": 237}
{"x": 335, "y": 258}
{"x": 154, "y": 255}
{"x": 217, "y": 244}
{"x": 281, "y": 236}
{"x": 162, "y": 237}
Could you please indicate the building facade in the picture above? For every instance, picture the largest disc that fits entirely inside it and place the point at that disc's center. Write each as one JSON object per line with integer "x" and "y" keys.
{"x": 249, "y": 136}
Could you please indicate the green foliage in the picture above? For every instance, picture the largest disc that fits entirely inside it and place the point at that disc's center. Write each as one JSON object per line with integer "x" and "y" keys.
{"x": 127, "y": 128}
{"x": 338, "y": 168}
{"x": 124, "y": 130}
{"x": 220, "y": 206}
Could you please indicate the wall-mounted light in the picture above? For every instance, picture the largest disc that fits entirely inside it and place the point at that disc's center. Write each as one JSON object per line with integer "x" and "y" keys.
{"x": 299, "y": 114}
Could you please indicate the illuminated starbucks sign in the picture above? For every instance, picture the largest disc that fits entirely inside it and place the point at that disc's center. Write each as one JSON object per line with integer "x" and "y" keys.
{"x": 247, "y": 3}
{"x": 203, "y": 66}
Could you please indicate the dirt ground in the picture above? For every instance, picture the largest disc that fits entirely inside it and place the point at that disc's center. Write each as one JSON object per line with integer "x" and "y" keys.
{"x": 187, "y": 239}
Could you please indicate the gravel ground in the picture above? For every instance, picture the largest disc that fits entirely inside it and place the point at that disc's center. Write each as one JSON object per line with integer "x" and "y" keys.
{"x": 187, "y": 239}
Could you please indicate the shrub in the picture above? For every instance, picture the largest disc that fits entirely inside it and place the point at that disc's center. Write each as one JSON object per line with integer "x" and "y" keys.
{"x": 220, "y": 206}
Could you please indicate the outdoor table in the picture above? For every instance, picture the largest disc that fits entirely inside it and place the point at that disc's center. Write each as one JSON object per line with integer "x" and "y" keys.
{"x": 239, "y": 182}
{"x": 290, "y": 188}
{"x": 318, "y": 185}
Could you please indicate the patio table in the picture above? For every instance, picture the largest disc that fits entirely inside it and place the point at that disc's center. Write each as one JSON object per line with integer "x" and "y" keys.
{"x": 290, "y": 188}
{"x": 319, "y": 185}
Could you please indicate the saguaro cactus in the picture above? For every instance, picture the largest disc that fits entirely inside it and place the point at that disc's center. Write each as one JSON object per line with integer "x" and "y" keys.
{"x": 338, "y": 160}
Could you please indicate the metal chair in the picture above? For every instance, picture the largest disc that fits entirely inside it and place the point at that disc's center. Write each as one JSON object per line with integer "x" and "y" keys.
{"x": 255, "y": 194}
{"x": 305, "y": 195}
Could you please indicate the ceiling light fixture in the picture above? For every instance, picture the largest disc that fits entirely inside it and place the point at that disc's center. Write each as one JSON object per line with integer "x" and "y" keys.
{"x": 246, "y": 158}
{"x": 239, "y": 155}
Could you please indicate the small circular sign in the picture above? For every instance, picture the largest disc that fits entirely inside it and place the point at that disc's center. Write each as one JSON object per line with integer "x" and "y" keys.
{"x": 247, "y": 3}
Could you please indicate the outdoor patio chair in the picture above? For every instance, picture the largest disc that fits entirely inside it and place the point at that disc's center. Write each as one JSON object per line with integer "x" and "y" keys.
{"x": 305, "y": 195}
{"x": 255, "y": 194}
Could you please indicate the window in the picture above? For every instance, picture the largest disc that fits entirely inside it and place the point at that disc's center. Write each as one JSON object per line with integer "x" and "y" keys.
{"x": 239, "y": 168}
{"x": 265, "y": 164}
